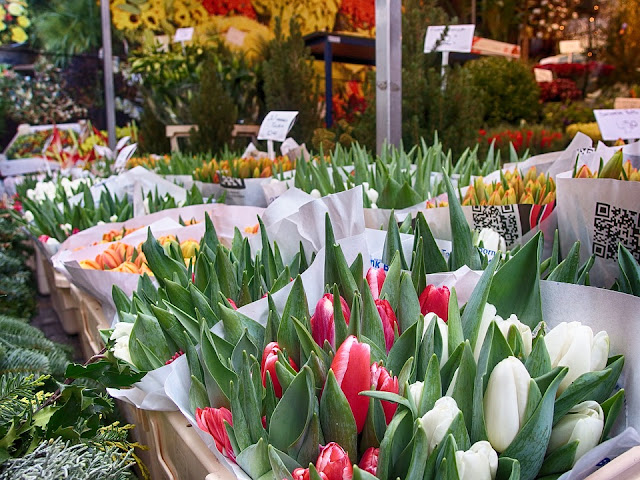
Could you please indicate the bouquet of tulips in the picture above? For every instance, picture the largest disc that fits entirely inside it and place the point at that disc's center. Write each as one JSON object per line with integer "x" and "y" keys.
{"x": 598, "y": 206}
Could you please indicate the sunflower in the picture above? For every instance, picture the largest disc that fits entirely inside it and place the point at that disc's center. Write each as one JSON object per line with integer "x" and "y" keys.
{"x": 181, "y": 16}
{"x": 18, "y": 35}
{"x": 199, "y": 14}
{"x": 151, "y": 18}
{"x": 24, "y": 22}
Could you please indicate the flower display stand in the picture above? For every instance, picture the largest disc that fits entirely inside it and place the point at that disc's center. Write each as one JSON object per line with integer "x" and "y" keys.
{"x": 181, "y": 454}
{"x": 63, "y": 304}
{"x": 92, "y": 322}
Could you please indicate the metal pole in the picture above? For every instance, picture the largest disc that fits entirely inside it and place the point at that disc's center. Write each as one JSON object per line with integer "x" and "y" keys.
{"x": 328, "y": 82}
{"x": 388, "y": 72}
{"x": 107, "y": 58}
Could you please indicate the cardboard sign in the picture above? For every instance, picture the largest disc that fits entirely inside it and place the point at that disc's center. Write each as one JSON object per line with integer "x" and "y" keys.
{"x": 183, "y": 35}
{"x": 485, "y": 46}
{"x": 458, "y": 39}
{"x": 570, "y": 46}
{"x": 626, "y": 102}
{"x": 276, "y": 125}
{"x": 235, "y": 36}
{"x": 543, "y": 75}
{"x": 615, "y": 124}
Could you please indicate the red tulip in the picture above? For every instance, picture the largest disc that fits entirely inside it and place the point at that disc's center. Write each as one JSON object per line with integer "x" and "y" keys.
{"x": 304, "y": 474}
{"x": 233, "y": 304}
{"x": 435, "y": 299}
{"x": 369, "y": 461}
{"x": 351, "y": 368}
{"x": 269, "y": 359}
{"x": 212, "y": 420}
{"x": 334, "y": 462}
{"x": 323, "y": 325}
{"x": 375, "y": 278}
{"x": 44, "y": 238}
{"x": 381, "y": 381}
{"x": 389, "y": 320}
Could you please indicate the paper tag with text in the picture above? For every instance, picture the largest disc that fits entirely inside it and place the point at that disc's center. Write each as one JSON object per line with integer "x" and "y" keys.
{"x": 276, "y": 125}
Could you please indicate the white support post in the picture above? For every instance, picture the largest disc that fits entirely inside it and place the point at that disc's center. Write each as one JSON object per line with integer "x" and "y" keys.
{"x": 107, "y": 58}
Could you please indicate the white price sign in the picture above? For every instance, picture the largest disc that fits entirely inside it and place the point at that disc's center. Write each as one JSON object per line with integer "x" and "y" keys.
{"x": 458, "y": 39}
{"x": 183, "y": 35}
{"x": 615, "y": 124}
{"x": 276, "y": 125}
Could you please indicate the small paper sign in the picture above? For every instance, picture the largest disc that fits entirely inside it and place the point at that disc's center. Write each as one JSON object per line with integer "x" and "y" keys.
{"x": 183, "y": 35}
{"x": 276, "y": 125}
{"x": 615, "y": 124}
{"x": 543, "y": 75}
{"x": 235, "y": 36}
{"x": 458, "y": 39}
{"x": 570, "y": 46}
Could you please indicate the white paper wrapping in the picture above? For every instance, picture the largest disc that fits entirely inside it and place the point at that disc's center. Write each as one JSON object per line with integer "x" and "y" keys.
{"x": 244, "y": 191}
{"x": 149, "y": 393}
{"x": 599, "y": 213}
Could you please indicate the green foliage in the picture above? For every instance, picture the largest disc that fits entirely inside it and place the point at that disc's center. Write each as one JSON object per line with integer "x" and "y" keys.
{"x": 622, "y": 49}
{"x": 213, "y": 110}
{"x": 289, "y": 80}
{"x": 152, "y": 133}
{"x": 562, "y": 114}
{"x": 54, "y": 459}
{"x": 69, "y": 27}
{"x": 509, "y": 90}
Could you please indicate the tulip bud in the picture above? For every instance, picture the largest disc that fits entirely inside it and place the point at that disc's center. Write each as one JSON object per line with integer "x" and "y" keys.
{"x": 435, "y": 299}
{"x": 334, "y": 462}
{"x": 444, "y": 334}
{"x": 369, "y": 460}
{"x": 375, "y": 278}
{"x": 351, "y": 366}
{"x": 211, "y": 420}
{"x": 437, "y": 421}
{"x": 189, "y": 248}
{"x": 415, "y": 392}
{"x": 584, "y": 423}
{"x": 480, "y": 462}
{"x": 323, "y": 325}
{"x": 505, "y": 402}
{"x": 573, "y": 345}
{"x": 232, "y": 303}
{"x": 381, "y": 381}
{"x": 389, "y": 321}
{"x": 584, "y": 172}
{"x": 269, "y": 360}
{"x": 613, "y": 168}
{"x": 121, "y": 334}
{"x": 524, "y": 330}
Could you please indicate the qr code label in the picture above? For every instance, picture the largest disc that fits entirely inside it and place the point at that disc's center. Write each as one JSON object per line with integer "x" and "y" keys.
{"x": 613, "y": 225}
{"x": 503, "y": 219}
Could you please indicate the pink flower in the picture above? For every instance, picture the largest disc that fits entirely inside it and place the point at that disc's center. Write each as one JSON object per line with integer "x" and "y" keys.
{"x": 233, "y": 304}
{"x": 375, "y": 278}
{"x": 381, "y": 381}
{"x": 389, "y": 321}
{"x": 211, "y": 420}
{"x": 269, "y": 359}
{"x": 334, "y": 462}
{"x": 323, "y": 325}
{"x": 369, "y": 461}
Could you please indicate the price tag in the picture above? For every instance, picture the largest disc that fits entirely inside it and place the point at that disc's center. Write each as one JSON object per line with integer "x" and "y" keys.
{"x": 458, "y": 39}
{"x": 276, "y": 125}
{"x": 183, "y": 35}
{"x": 615, "y": 124}
{"x": 543, "y": 75}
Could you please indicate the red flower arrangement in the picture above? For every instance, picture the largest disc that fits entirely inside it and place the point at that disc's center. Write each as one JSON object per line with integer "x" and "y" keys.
{"x": 559, "y": 90}
{"x": 573, "y": 70}
{"x": 360, "y": 13}
{"x": 522, "y": 139}
{"x": 230, "y": 7}
{"x": 349, "y": 104}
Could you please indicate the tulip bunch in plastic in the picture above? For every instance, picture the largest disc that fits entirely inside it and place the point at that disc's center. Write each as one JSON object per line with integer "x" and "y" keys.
{"x": 194, "y": 294}
{"x": 512, "y": 188}
{"x": 614, "y": 169}
{"x": 154, "y": 202}
{"x": 243, "y": 168}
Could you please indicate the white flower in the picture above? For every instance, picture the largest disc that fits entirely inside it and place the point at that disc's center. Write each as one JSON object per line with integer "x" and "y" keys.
{"x": 31, "y": 194}
{"x": 584, "y": 423}
{"x": 436, "y": 422}
{"x": 121, "y": 334}
{"x": 525, "y": 331}
{"x": 374, "y": 206}
{"x": 315, "y": 193}
{"x": 53, "y": 242}
{"x": 573, "y": 345}
{"x": 444, "y": 334}
{"x": 373, "y": 195}
{"x": 480, "y": 462}
{"x": 505, "y": 402}
{"x": 100, "y": 222}
{"x": 489, "y": 314}
{"x": 113, "y": 218}
{"x": 145, "y": 203}
{"x": 415, "y": 391}
{"x": 66, "y": 227}
{"x": 365, "y": 186}
{"x": 28, "y": 216}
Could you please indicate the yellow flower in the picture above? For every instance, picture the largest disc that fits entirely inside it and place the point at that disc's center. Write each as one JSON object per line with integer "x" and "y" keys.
{"x": 23, "y": 22}
{"x": 3, "y": 26}
{"x": 198, "y": 14}
{"x": 15, "y": 9}
{"x": 18, "y": 35}
{"x": 181, "y": 17}
{"x": 3, "y": 12}
{"x": 151, "y": 19}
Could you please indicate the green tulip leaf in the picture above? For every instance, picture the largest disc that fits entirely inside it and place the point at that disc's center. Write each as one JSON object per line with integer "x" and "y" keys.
{"x": 463, "y": 388}
{"x": 578, "y": 391}
{"x": 362, "y": 474}
{"x": 538, "y": 362}
{"x": 432, "y": 388}
{"x": 604, "y": 389}
{"x": 222, "y": 375}
{"x": 336, "y": 419}
{"x": 508, "y": 469}
{"x": 296, "y": 306}
{"x": 254, "y": 460}
{"x": 306, "y": 448}
{"x": 188, "y": 322}
{"x": 395, "y": 440}
{"x": 418, "y": 275}
{"x": 340, "y": 322}
{"x": 147, "y": 344}
{"x": 567, "y": 270}
{"x": 393, "y": 244}
{"x": 446, "y": 462}
{"x": 277, "y": 465}
{"x": 420, "y": 453}
{"x": 427, "y": 347}
{"x": 463, "y": 251}
{"x": 244, "y": 345}
{"x": 235, "y": 324}
{"x": 561, "y": 460}
{"x": 611, "y": 409}
{"x": 391, "y": 288}
{"x": 472, "y": 315}
{"x": 405, "y": 346}
{"x": 432, "y": 257}
{"x": 356, "y": 269}
{"x": 516, "y": 285}
{"x": 450, "y": 366}
{"x": 408, "y": 303}
{"x": 454, "y": 322}
{"x": 630, "y": 270}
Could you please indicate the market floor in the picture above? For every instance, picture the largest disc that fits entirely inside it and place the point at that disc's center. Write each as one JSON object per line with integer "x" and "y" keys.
{"x": 47, "y": 320}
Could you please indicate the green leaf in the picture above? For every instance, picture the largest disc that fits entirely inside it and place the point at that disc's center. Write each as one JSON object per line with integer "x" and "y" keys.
{"x": 454, "y": 323}
{"x": 611, "y": 409}
{"x": 147, "y": 344}
{"x": 121, "y": 301}
{"x": 463, "y": 388}
{"x": 472, "y": 315}
{"x": 578, "y": 391}
{"x": 391, "y": 288}
{"x": 433, "y": 259}
{"x": 508, "y": 469}
{"x": 295, "y": 307}
{"x": 235, "y": 324}
{"x": 393, "y": 244}
{"x": 432, "y": 387}
{"x": 362, "y": 474}
{"x": 560, "y": 460}
{"x": 160, "y": 264}
{"x": 341, "y": 327}
{"x": 222, "y": 375}
{"x": 538, "y": 362}
{"x": 602, "y": 391}
{"x": 567, "y": 270}
{"x": 630, "y": 269}
{"x": 372, "y": 323}
{"x": 408, "y": 310}
{"x": 516, "y": 285}
{"x": 420, "y": 453}
{"x": 179, "y": 296}
{"x": 405, "y": 346}
{"x": 396, "y": 439}
{"x": 463, "y": 251}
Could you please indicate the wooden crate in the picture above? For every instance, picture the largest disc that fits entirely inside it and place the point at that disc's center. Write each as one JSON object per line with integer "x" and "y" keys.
{"x": 92, "y": 321}
{"x": 181, "y": 454}
{"x": 61, "y": 300}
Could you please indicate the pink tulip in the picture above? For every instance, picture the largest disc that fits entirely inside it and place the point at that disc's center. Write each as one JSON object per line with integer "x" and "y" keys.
{"x": 323, "y": 326}
{"x": 304, "y": 474}
{"x": 269, "y": 359}
{"x": 351, "y": 366}
{"x": 435, "y": 299}
{"x": 334, "y": 462}
{"x": 369, "y": 461}
{"x": 375, "y": 278}
{"x": 233, "y": 304}
{"x": 381, "y": 381}
{"x": 211, "y": 420}
{"x": 389, "y": 321}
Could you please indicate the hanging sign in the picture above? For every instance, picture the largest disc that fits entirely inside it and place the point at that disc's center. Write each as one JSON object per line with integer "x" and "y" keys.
{"x": 276, "y": 125}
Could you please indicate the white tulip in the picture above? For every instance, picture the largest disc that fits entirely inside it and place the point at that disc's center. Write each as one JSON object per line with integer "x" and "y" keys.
{"x": 584, "y": 423}
{"x": 452, "y": 385}
{"x": 415, "y": 391}
{"x": 365, "y": 186}
{"x": 122, "y": 329}
{"x": 315, "y": 193}
{"x": 28, "y": 216}
{"x": 489, "y": 314}
{"x": 100, "y": 222}
{"x": 491, "y": 240}
{"x": 480, "y": 462}
{"x": 113, "y": 218}
{"x": 505, "y": 402}
{"x": 31, "y": 194}
{"x": 121, "y": 334}
{"x": 444, "y": 334}
{"x": 573, "y": 345}
{"x": 437, "y": 421}
{"x": 145, "y": 203}
{"x": 66, "y": 227}
{"x": 373, "y": 195}
{"x": 374, "y": 206}
{"x": 525, "y": 332}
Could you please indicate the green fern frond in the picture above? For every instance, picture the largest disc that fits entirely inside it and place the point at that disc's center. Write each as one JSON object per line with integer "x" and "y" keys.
{"x": 21, "y": 361}
{"x": 17, "y": 395}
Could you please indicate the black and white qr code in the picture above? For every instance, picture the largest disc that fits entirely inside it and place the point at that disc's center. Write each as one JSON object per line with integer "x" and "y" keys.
{"x": 613, "y": 225}
{"x": 503, "y": 219}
